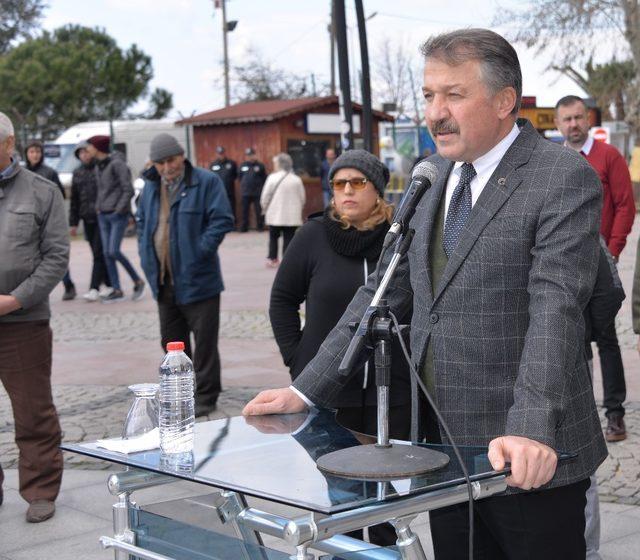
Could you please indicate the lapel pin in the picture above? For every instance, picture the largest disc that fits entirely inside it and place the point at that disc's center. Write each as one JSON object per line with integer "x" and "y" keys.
{"x": 502, "y": 181}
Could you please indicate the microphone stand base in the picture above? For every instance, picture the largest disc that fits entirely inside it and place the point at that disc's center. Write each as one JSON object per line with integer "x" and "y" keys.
{"x": 373, "y": 462}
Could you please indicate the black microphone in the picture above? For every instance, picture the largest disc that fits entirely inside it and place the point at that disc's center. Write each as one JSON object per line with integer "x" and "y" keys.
{"x": 423, "y": 176}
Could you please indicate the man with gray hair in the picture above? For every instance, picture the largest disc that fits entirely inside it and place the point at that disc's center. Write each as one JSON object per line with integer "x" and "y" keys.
{"x": 503, "y": 262}
{"x": 34, "y": 252}
{"x": 183, "y": 216}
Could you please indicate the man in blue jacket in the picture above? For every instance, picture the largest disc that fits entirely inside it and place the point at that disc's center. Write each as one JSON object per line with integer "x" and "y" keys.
{"x": 183, "y": 216}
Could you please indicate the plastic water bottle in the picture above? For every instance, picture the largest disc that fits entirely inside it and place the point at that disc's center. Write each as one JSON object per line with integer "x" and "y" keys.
{"x": 177, "y": 416}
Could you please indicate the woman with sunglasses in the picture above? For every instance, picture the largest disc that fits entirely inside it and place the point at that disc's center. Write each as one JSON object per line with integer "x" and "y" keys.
{"x": 327, "y": 261}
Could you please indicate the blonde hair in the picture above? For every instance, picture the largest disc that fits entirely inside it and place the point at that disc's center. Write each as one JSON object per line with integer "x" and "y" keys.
{"x": 382, "y": 212}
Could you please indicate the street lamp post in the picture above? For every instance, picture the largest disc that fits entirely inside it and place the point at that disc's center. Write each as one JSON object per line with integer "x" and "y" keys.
{"x": 226, "y": 28}
{"x": 225, "y": 53}
{"x": 346, "y": 110}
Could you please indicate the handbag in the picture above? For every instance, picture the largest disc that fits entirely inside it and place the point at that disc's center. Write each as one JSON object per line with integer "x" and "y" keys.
{"x": 266, "y": 206}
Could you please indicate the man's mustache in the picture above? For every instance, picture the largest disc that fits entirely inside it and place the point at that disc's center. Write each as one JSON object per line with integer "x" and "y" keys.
{"x": 444, "y": 126}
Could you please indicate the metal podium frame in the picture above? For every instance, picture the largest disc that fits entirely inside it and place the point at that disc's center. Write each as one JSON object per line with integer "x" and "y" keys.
{"x": 301, "y": 533}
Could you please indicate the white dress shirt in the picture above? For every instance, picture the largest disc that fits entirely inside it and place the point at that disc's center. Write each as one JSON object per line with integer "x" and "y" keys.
{"x": 586, "y": 147}
{"x": 485, "y": 165}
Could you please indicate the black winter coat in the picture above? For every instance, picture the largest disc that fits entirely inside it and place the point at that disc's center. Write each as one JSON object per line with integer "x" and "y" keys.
{"x": 314, "y": 272}
{"x": 83, "y": 195}
{"x": 48, "y": 173}
{"x": 252, "y": 175}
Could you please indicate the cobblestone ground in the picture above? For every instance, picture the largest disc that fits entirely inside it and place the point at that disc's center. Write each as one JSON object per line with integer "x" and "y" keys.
{"x": 143, "y": 325}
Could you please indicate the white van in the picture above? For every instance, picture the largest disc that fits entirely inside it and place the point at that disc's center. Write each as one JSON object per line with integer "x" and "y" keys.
{"x": 131, "y": 138}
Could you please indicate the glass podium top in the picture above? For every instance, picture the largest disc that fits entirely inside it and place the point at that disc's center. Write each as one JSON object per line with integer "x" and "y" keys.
{"x": 274, "y": 457}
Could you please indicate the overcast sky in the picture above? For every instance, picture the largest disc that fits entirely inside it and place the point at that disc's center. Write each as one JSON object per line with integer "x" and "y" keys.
{"x": 184, "y": 38}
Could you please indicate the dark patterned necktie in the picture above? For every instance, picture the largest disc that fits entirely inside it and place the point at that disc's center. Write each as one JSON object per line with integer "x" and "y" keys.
{"x": 459, "y": 209}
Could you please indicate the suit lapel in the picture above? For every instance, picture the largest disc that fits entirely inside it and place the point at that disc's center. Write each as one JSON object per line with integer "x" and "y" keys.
{"x": 503, "y": 182}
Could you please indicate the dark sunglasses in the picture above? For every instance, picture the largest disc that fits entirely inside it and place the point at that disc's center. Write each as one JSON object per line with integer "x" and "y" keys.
{"x": 357, "y": 183}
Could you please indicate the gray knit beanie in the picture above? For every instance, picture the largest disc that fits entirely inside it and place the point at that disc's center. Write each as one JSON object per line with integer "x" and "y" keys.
{"x": 164, "y": 146}
{"x": 370, "y": 166}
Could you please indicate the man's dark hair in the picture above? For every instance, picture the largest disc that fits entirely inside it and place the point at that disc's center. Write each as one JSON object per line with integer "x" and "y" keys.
{"x": 498, "y": 59}
{"x": 570, "y": 100}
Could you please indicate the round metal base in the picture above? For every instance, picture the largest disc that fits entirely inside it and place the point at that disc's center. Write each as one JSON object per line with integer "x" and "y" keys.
{"x": 370, "y": 462}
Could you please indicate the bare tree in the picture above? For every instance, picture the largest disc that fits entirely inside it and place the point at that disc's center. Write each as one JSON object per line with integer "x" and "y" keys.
{"x": 260, "y": 80}
{"x": 393, "y": 70}
{"x": 569, "y": 30}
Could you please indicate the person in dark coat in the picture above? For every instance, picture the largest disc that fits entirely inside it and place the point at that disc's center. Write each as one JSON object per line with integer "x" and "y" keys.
{"x": 113, "y": 206}
{"x": 83, "y": 207}
{"x": 252, "y": 177}
{"x": 34, "y": 157}
{"x": 227, "y": 170}
{"x": 327, "y": 261}
{"x": 183, "y": 215}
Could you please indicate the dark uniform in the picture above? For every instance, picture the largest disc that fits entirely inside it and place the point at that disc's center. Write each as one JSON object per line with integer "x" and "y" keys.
{"x": 227, "y": 170}
{"x": 252, "y": 177}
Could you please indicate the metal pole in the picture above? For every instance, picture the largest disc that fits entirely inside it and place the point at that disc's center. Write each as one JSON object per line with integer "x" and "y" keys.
{"x": 332, "y": 40}
{"x": 346, "y": 110}
{"x": 367, "y": 118}
{"x": 225, "y": 52}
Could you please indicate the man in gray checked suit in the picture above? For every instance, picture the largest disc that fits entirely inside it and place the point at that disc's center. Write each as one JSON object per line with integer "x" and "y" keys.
{"x": 502, "y": 264}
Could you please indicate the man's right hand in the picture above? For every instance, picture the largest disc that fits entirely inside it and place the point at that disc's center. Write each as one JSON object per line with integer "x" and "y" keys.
{"x": 275, "y": 401}
{"x": 73, "y": 231}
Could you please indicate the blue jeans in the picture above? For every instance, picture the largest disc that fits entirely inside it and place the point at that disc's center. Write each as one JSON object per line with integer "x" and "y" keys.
{"x": 112, "y": 228}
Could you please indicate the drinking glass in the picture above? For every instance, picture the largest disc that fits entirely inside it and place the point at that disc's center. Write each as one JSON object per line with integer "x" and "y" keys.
{"x": 143, "y": 414}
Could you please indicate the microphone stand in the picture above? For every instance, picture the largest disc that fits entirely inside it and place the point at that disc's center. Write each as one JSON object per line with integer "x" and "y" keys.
{"x": 382, "y": 460}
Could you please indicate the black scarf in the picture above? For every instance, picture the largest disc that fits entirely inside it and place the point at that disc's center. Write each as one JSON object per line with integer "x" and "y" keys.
{"x": 352, "y": 242}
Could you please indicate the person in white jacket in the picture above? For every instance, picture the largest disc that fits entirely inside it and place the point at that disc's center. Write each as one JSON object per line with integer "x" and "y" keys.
{"x": 282, "y": 201}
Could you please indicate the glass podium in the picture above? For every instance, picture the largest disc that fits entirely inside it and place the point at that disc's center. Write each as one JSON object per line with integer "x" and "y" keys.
{"x": 273, "y": 458}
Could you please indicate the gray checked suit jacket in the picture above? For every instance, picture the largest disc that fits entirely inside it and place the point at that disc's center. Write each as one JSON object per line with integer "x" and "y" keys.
{"x": 506, "y": 319}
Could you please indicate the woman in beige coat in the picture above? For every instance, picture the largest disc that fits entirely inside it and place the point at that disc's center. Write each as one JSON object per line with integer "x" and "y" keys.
{"x": 282, "y": 201}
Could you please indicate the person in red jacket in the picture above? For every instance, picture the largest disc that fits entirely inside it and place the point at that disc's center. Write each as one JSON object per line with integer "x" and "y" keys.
{"x": 618, "y": 212}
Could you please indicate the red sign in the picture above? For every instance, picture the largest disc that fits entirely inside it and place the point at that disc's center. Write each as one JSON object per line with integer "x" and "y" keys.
{"x": 601, "y": 134}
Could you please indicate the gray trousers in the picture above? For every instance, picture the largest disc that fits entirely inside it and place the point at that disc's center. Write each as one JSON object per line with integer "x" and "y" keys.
{"x": 592, "y": 513}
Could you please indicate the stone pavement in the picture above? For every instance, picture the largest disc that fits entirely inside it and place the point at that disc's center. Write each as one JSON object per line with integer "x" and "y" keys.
{"x": 101, "y": 349}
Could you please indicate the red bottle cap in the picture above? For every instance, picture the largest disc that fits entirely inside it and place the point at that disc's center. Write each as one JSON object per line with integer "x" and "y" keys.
{"x": 175, "y": 346}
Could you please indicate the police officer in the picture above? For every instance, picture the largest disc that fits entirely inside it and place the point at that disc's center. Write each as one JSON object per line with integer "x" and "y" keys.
{"x": 252, "y": 177}
{"x": 227, "y": 170}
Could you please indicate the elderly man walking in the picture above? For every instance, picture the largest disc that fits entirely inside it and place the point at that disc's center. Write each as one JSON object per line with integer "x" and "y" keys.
{"x": 34, "y": 252}
{"x": 183, "y": 216}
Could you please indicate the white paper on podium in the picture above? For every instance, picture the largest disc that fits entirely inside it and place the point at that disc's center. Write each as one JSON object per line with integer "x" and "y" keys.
{"x": 150, "y": 440}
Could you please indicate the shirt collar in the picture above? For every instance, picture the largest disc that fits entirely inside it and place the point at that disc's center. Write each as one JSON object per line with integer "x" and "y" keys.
{"x": 586, "y": 147}
{"x": 494, "y": 155}
{"x": 7, "y": 171}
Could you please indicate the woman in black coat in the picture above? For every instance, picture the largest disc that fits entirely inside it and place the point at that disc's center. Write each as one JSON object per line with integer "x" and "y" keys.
{"x": 328, "y": 259}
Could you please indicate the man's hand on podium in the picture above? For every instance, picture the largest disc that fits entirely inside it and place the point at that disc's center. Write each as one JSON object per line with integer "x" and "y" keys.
{"x": 533, "y": 464}
{"x": 275, "y": 401}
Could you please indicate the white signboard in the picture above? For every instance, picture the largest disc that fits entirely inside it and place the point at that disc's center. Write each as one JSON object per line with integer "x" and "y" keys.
{"x": 323, "y": 123}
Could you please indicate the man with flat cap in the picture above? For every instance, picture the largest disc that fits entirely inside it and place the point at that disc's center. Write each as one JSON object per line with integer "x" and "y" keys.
{"x": 227, "y": 170}
{"x": 183, "y": 215}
